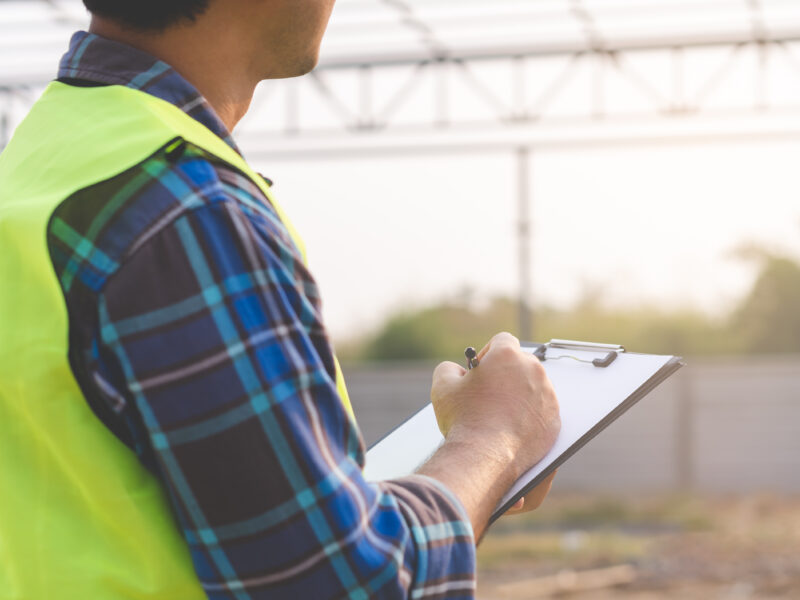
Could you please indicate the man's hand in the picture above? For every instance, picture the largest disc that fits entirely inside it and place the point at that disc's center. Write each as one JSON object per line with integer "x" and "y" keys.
{"x": 507, "y": 403}
{"x": 498, "y": 420}
{"x": 533, "y": 499}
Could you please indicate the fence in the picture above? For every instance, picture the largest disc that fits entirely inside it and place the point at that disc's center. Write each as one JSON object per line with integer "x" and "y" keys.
{"x": 721, "y": 425}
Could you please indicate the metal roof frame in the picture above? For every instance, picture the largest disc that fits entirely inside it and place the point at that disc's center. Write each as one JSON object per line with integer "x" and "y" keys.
{"x": 391, "y": 32}
{"x": 446, "y": 47}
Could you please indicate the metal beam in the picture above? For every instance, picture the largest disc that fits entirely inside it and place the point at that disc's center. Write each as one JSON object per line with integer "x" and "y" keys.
{"x": 337, "y": 62}
{"x": 503, "y": 101}
{"x": 523, "y": 159}
{"x": 510, "y": 107}
{"x": 532, "y": 50}
{"x": 737, "y": 127}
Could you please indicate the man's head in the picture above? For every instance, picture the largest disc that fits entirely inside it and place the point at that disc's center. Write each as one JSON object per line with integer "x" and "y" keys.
{"x": 276, "y": 38}
{"x": 147, "y": 15}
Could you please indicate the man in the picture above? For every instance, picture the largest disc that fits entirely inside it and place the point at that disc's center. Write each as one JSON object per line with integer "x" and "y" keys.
{"x": 173, "y": 420}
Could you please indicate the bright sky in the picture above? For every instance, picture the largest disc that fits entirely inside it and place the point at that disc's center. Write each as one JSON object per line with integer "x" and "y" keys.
{"x": 654, "y": 224}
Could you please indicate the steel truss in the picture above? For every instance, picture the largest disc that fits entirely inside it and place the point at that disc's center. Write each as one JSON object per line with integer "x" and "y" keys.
{"x": 451, "y": 82}
{"x": 511, "y": 120}
{"x": 508, "y": 96}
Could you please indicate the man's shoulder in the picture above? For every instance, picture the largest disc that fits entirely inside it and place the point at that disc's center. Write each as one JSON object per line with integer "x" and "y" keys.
{"x": 96, "y": 229}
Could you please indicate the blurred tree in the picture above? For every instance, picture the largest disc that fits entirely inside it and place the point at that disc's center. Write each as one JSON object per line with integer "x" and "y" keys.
{"x": 438, "y": 332}
{"x": 768, "y": 319}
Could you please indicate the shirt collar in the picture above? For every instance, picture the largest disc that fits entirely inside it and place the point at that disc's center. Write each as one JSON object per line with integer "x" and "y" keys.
{"x": 100, "y": 60}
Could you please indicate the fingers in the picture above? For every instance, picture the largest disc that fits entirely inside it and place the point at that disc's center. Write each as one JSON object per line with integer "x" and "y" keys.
{"x": 548, "y": 481}
{"x": 484, "y": 350}
{"x": 447, "y": 372}
{"x": 533, "y": 499}
{"x": 499, "y": 340}
{"x": 504, "y": 339}
{"x": 537, "y": 495}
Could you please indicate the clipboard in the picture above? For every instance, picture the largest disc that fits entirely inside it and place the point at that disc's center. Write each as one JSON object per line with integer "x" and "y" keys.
{"x": 594, "y": 383}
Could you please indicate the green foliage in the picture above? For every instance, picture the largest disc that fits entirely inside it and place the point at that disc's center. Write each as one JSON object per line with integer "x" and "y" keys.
{"x": 769, "y": 317}
{"x": 433, "y": 333}
{"x": 766, "y": 320}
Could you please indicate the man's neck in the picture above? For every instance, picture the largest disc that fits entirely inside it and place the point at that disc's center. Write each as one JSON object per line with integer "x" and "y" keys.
{"x": 217, "y": 70}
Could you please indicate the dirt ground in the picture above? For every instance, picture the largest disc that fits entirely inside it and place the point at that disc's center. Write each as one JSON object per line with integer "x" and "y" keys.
{"x": 666, "y": 547}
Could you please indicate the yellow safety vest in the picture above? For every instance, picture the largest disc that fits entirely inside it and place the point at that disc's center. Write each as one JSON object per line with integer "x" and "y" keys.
{"x": 79, "y": 515}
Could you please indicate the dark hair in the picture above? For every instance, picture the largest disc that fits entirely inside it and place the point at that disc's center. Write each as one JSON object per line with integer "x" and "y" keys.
{"x": 147, "y": 14}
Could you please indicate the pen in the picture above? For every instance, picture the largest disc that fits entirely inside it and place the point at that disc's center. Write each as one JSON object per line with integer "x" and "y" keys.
{"x": 472, "y": 358}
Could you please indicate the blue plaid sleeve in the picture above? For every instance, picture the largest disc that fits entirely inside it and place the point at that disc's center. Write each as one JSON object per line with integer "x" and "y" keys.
{"x": 215, "y": 326}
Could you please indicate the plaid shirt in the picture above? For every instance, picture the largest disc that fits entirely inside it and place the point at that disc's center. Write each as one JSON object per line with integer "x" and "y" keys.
{"x": 196, "y": 337}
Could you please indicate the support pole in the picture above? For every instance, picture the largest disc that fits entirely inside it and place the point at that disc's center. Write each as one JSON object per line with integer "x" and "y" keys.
{"x": 762, "y": 77}
{"x": 441, "y": 73}
{"x": 292, "y": 117}
{"x": 5, "y": 129}
{"x": 524, "y": 239}
{"x": 366, "y": 118}
{"x": 679, "y": 104}
{"x": 685, "y": 448}
{"x": 598, "y": 86}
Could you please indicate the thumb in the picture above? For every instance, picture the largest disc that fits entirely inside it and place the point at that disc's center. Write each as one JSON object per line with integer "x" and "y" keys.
{"x": 447, "y": 373}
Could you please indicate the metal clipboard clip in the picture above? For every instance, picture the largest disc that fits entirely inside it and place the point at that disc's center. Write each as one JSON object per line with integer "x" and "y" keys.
{"x": 611, "y": 351}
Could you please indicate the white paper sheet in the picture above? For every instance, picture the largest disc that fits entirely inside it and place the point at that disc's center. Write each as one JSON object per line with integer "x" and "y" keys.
{"x": 586, "y": 395}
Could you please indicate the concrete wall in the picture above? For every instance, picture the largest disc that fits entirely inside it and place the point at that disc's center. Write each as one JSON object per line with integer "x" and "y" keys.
{"x": 726, "y": 425}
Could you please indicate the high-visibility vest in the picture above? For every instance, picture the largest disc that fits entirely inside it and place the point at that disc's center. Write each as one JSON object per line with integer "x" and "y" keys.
{"x": 80, "y": 517}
